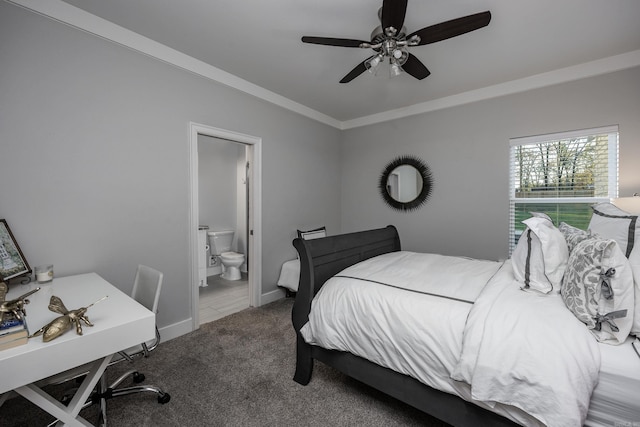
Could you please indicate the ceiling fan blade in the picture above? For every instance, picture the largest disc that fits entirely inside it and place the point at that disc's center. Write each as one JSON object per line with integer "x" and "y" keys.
{"x": 416, "y": 68}
{"x": 393, "y": 13}
{"x": 360, "y": 68}
{"x": 455, "y": 27}
{"x": 330, "y": 41}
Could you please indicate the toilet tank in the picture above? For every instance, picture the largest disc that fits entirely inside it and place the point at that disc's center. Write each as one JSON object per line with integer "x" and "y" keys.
{"x": 220, "y": 241}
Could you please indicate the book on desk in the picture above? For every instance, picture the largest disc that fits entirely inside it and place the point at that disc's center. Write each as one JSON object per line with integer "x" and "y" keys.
{"x": 13, "y": 331}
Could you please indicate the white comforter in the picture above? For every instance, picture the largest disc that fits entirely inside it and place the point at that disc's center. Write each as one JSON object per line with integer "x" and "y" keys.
{"x": 408, "y": 312}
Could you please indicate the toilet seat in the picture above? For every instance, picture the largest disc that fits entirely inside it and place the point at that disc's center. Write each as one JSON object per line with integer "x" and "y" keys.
{"x": 231, "y": 255}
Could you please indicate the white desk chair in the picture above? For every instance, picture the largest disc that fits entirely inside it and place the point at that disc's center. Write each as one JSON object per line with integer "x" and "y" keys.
{"x": 146, "y": 290}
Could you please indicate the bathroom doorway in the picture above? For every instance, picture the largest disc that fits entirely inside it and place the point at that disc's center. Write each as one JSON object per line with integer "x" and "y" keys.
{"x": 229, "y": 156}
{"x": 223, "y": 188}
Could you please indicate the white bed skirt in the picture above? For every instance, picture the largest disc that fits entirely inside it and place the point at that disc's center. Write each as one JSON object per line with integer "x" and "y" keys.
{"x": 290, "y": 275}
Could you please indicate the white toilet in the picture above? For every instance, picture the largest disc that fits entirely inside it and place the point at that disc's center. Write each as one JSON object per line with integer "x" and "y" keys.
{"x": 220, "y": 243}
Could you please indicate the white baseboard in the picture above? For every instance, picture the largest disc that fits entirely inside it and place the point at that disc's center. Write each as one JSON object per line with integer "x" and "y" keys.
{"x": 177, "y": 329}
{"x": 183, "y": 327}
{"x": 272, "y": 296}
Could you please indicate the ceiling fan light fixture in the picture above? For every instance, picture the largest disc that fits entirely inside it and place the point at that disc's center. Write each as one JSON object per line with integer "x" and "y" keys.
{"x": 390, "y": 40}
{"x": 401, "y": 55}
{"x": 394, "y": 69}
{"x": 373, "y": 64}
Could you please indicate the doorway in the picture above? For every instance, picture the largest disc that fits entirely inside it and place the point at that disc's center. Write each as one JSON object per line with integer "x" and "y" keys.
{"x": 254, "y": 255}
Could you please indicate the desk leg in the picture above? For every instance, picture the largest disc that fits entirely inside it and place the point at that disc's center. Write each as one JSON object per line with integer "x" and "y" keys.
{"x": 68, "y": 415}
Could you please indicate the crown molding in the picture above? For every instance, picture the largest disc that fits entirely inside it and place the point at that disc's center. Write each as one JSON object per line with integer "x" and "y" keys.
{"x": 84, "y": 21}
{"x": 563, "y": 75}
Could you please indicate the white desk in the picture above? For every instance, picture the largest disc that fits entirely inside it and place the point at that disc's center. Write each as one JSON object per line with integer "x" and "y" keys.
{"x": 120, "y": 322}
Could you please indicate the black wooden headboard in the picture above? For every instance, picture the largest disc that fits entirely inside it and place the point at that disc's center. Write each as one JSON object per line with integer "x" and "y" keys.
{"x": 321, "y": 259}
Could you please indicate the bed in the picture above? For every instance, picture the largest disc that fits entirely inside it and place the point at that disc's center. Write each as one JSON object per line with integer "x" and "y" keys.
{"x": 604, "y": 377}
{"x": 289, "y": 276}
{"x": 290, "y": 270}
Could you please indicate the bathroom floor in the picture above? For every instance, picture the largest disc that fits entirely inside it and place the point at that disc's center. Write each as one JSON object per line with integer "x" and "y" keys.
{"x": 223, "y": 297}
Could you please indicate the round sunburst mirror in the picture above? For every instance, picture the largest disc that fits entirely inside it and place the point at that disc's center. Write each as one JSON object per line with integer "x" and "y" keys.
{"x": 406, "y": 183}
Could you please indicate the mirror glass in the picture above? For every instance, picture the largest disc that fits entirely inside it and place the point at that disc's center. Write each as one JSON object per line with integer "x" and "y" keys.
{"x": 405, "y": 183}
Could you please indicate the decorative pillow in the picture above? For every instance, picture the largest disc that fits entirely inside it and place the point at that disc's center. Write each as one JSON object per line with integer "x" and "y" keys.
{"x": 540, "y": 258}
{"x": 316, "y": 233}
{"x": 610, "y": 222}
{"x": 598, "y": 289}
{"x": 572, "y": 235}
{"x": 541, "y": 215}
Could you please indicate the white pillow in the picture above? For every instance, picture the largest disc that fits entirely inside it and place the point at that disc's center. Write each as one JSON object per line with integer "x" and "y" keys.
{"x": 610, "y": 222}
{"x": 541, "y": 215}
{"x": 598, "y": 282}
{"x": 316, "y": 233}
{"x": 540, "y": 258}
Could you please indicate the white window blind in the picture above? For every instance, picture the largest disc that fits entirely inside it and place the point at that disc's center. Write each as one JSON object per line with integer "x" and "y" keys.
{"x": 562, "y": 175}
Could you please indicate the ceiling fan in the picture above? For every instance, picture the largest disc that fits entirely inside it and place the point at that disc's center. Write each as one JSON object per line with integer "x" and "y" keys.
{"x": 390, "y": 40}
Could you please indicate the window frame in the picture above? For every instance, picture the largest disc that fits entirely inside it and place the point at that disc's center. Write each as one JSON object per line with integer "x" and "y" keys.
{"x": 612, "y": 169}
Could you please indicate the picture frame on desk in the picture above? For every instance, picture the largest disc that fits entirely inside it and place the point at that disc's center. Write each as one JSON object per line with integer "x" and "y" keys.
{"x": 12, "y": 261}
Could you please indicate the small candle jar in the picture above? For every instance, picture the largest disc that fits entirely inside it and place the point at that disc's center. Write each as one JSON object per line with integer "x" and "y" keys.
{"x": 44, "y": 273}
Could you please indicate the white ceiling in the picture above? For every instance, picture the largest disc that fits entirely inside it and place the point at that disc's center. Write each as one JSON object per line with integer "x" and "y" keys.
{"x": 259, "y": 41}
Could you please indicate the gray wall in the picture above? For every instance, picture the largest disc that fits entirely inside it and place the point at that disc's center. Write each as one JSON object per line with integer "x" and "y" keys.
{"x": 467, "y": 149}
{"x": 94, "y": 147}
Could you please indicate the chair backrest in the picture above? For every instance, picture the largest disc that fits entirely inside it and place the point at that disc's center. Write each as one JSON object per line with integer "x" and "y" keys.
{"x": 146, "y": 287}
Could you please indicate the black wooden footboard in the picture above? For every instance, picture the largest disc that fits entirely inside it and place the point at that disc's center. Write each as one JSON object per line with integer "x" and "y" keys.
{"x": 319, "y": 260}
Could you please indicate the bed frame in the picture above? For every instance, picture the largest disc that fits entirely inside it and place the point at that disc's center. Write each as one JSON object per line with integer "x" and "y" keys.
{"x": 322, "y": 258}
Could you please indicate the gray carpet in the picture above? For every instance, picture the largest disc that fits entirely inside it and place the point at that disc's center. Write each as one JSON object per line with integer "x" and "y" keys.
{"x": 237, "y": 371}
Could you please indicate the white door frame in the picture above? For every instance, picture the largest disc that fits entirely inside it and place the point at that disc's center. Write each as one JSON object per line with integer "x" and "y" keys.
{"x": 254, "y": 237}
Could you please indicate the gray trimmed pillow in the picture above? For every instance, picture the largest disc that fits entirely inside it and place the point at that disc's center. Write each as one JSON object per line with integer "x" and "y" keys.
{"x": 540, "y": 257}
{"x": 611, "y": 222}
{"x": 541, "y": 215}
{"x": 598, "y": 289}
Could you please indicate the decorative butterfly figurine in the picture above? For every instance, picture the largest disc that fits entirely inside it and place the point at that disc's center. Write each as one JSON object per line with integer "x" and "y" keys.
{"x": 62, "y": 324}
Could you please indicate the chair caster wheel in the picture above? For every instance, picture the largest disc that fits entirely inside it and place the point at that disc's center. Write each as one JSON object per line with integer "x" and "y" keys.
{"x": 138, "y": 377}
{"x": 164, "y": 398}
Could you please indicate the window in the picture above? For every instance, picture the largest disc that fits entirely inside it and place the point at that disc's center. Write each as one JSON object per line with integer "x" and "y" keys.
{"x": 561, "y": 175}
